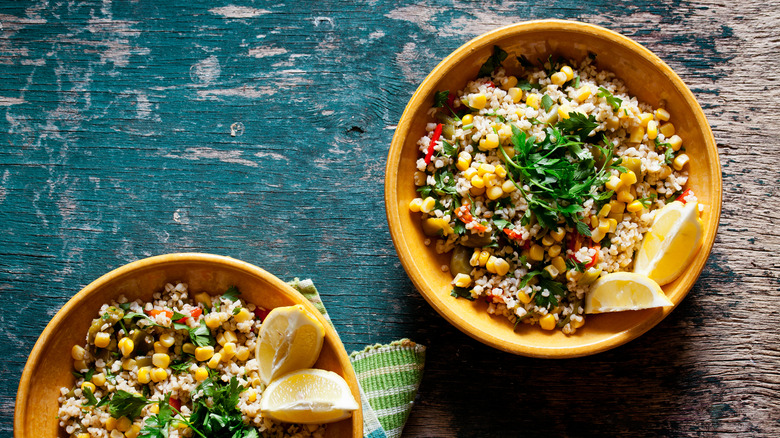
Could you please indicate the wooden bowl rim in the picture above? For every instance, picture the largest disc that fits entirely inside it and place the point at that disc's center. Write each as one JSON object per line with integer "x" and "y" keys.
{"x": 33, "y": 360}
{"x": 402, "y": 132}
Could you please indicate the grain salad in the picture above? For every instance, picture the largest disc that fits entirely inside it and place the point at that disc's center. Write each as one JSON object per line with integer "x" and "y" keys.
{"x": 180, "y": 365}
{"x": 540, "y": 178}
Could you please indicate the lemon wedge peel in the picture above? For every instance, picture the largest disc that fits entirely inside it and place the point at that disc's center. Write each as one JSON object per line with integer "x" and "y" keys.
{"x": 671, "y": 243}
{"x": 290, "y": 338}
{"x": 620, "y": 291}
{"x": 308, "y": 396}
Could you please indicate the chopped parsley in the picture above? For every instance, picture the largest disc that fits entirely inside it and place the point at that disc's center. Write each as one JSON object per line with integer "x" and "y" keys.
{"x": 440, "y": 98}
{"x": 493, "y": 62}
{"x": 461, "y": 292}
{"x": 125, "y": 404}
{"x": 547, "y": 102}
{"x": 524, "y": 61}
{"x": 613, "y": 101}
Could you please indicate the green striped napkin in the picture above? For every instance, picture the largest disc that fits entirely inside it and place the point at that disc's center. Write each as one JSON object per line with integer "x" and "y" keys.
{"x": 389, "y": 376}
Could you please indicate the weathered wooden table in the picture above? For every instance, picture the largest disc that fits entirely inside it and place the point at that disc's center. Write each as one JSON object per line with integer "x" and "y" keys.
{"x": 259, "y": 131}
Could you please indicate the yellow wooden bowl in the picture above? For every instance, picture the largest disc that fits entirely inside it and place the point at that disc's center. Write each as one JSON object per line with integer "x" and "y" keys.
{"x": 649, "y": 79}
{"x": 49, "y": 366}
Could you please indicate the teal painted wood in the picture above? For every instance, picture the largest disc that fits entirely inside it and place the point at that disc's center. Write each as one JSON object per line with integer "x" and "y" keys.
{"x": 259, "y": 131}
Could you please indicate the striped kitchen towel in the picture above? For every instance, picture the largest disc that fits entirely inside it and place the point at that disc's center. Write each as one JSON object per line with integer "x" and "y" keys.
{"x": 389, "y": 376}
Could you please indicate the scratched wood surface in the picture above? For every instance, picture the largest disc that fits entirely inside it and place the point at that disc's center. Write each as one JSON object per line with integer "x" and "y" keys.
{"x": 259, "y": 131}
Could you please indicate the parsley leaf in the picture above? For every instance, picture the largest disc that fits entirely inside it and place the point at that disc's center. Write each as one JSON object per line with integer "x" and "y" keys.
{"x": 231, "y": 294}
{"x": 524, "y": 85}
{"x": 440, "y": 98}
{"x": 125, "y": 404}
{"x": 492, "y": 63}
{"x": 220, "y": 416}
{"x": 547, "y": 102}
{"x": 448, "y": 149}
{"x": 578, "y": 124}
{"x": 612, "y": 100}
{"x": 201, "y": 335}
{"x": 556, "y": 291}
{"x": 461, "y": 292}
{"x": 524, "y": 61}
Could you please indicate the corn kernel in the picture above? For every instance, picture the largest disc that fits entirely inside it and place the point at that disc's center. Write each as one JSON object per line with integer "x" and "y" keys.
{"x": 613, "y": 123}
{"x": 568, "y": 72}
{"x": 128, "y": 364}
{"x": 212, "y": 319}
{"x": 251, "y": 395}
{"x": 242, "y": 353}
{"x": 494, "y": 193}
{"x": 634, "y": 206}
{"x": 644, "y": 118}
{"x": 86, "y": 385}
{"x": 596, "y": 235}
{"x": 558, "y": 234}
{"x": 665, "y": 171}
{"x": 188, "y": 348}
{"x": 167, "y": 340}
{"x": 99, "y": 379}
{"x": 547, "y": 322}
{"x": 563, "y": 111}
{"x": 77, "y": 352}
{"x": 491, "y": 264}
{"x": 680, "y": 161}
{"x": 559, "y": 263}
{"x": 134, "y": 431}
{"x": 628, "y": 178}
{"x": 467, "y": 119}
{"x": 83, "y": 435}
{"x": 652, "y": 130}
{"x": 123, "y": 424}
{"x": 502, "y": 266}
{"x": 675, "y": 142}
{"x": 637, "y": 133}
{"x": 573, "y": 275}
{"x": 489, "y": 142}
{"x": 603, "y": 225}
{"x": 523, "y": 297}
{"x": 462, "y": 280}
{"x": 508, "y": 186}
{"x": 464, "y": 161}
{"x": 616, "y": 207}
{"x": 485, "y": 168}
{"x": 474, "y": 260}
{"x": 214, "y": 361}
{"x": 477, "y": 191}
{"x": 477, "y": 181}
{"x": 583, "y": 93}
{"x": 415, "y": 205}
{"x": 612, "y": 225}
{"x": 594, "y": 221}
{"x": 161, "y": 360}
{"x": 116, "y": 434}
{"x": 508, "y": 82}
{"x": 144, "y": 375}
{"x": 536, "y": 252}
{"x": 159, "y": 374}
{"x": 155, "y": 408}
{"x": 625, "y": 196}
{"x": 547, "y": 240}
{"x": 604, "y": 210}
{"x": 203, "y": 298}
{"x": 618, "y": 217}
{"x": 613, "y": 183}
{"x": 126, "y": 346}
{"x": 552, "y": 270}
{"x": 662, "y": 115}
{"x": 201, "y": 374}
{"x": 515, "y": 94}
{"x": 500, "y": 171}
{"x": 102, "y": 340}
{"x": 509, "y": 150}
{"x": 159, "y": 347}
{"x": 204, "y": 353}
{"x": 490, "y": 179}
{"x": 470, "y": 173}
{"x": 111, "y": 423}
{"x": 484, "y": 256}
{"x": 427, "y": 206}
{"x": 558, "y": 78}
{"x": 228, "y": 351}
{"x": 533, "y": 101}
{"x": 477, "y": 101}
{"x": 554, "y": 251}
{"x": 667, "y": 129}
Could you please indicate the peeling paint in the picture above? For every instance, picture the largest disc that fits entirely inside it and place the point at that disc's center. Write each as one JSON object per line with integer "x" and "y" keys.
{"x": 207, "y": 153}
{"x": 8, "y": 101}
{"x": 264, "y": 51}
{"x": 232, "y": 11}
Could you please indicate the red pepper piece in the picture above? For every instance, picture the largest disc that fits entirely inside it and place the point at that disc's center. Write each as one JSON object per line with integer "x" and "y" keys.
{"x": 434, "y": 139}
{"x": 196, "y": 312}
{"x": 261, "y": 313}
{"x": 464, "y": 214}
{"x": 684, "y": 194}
{"x": 175, "y": 404}
{"x": 490, "y": 84}
{"x": 514, "y": 235}
{"x": 155, "y": 312}
{"x": 451, "y": 100}
{"x": 595, "y": 257}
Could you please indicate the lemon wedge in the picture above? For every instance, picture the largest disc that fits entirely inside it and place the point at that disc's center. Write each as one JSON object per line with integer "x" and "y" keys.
{"x": 624, "y": 291}
{"x": 290, "y": 339}
{"x": 308, "y": 396}
{"x": 671, "y": 243}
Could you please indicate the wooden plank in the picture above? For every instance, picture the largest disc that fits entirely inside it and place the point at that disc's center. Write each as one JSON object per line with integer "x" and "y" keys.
{"x": 260, "y": 131}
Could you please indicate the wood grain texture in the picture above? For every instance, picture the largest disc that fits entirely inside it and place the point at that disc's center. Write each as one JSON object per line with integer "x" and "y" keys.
{"x": 259, "y": 131}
